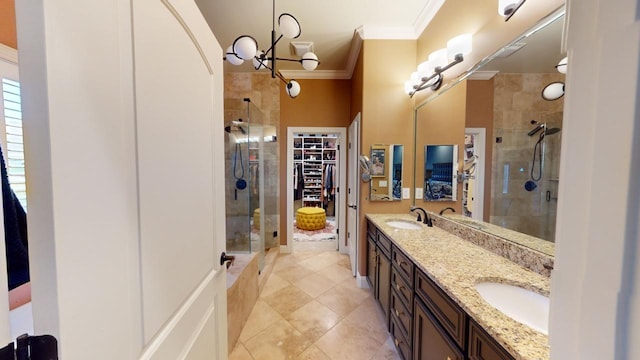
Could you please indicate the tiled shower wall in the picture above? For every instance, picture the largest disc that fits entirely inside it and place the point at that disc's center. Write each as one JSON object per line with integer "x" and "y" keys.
{"x": 517, "y": 101}
{"x": 264, "y": 93}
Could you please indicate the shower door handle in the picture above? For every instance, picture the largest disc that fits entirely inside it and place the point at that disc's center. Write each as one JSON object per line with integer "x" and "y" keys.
{"x": 548, "y": 195}
{"x": 227, "y": 260}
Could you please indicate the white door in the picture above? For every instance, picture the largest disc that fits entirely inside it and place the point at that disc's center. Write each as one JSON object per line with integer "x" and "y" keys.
{"x": 123, "y": 122}
{"x": 353, "y": 192}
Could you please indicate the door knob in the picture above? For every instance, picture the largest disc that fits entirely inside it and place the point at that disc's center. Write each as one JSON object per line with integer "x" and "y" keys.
{"x": 354, "y": 207}
{"x": 227, "y": 259}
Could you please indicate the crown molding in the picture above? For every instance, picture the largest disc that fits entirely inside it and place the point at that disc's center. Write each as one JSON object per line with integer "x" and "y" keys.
{"x": 316, "y": 74}
{"x": 387, "y": 32}
{"x": 426, "y": 15}
{"x": 8, "y": 54}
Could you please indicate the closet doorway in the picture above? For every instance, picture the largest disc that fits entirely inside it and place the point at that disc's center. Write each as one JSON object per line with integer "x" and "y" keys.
{"x": 316, "y": 164}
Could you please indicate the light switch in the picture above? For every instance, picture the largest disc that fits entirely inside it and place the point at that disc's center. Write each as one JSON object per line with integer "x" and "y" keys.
{"x": 382, "y": 183}
{"x": 418, "y": 193}
{"x": 406, "y": 194}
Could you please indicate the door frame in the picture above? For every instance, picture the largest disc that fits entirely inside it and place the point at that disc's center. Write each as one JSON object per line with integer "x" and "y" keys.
{"x": 353, "y": 152}
{"x": 341, "y": 206}
{"x": 478, "y": 202}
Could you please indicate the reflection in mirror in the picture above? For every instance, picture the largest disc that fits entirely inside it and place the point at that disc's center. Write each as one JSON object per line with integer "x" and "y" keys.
{"x": 439, "y": 179}
{"x": 385, "y": 169}
{"x": 521, "y": 153}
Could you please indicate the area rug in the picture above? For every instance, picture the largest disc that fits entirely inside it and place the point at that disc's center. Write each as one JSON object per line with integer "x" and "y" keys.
{"x": 328, "y": 233}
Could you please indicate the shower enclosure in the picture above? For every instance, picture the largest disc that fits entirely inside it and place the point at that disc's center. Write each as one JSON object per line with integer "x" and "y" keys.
{"x": 526, "y": 164}
{"x": 250, "y": 152}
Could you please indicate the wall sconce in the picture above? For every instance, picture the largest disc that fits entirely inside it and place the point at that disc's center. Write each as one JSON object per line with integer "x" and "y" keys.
{"x": 429, "y": 73}
{"x": 555, "y": 90}
{"x": 508, "y": 8}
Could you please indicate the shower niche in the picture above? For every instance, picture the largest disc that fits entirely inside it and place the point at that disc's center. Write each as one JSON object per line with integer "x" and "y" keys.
{"x": 251, "y": 167}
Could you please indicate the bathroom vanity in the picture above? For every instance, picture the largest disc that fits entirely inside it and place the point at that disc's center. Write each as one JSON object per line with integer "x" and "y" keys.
{"x": 425, "y": 280}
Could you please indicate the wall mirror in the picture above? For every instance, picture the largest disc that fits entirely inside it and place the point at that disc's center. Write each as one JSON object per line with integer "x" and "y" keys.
{"x": 520, "y": 159}
{"x": 385, "y": 169}
{"x": 439, "y": 177}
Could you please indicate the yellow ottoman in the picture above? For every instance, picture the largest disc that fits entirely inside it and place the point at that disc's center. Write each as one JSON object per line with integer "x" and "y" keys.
{"x": 311, "y": 218}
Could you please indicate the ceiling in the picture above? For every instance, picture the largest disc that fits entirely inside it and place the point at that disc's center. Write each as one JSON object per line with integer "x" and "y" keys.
{"x": 329, "y": 24}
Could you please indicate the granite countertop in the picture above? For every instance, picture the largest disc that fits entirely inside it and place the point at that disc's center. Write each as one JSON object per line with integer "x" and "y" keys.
{"x": 456, "y": 265}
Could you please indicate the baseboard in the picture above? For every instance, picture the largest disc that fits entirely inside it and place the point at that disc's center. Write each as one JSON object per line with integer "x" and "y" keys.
{"x": 285, "y": 249}
{"x": 361, "y": 281}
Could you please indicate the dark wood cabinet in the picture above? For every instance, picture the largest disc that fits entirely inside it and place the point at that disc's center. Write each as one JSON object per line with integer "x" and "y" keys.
{"x": 423, "y": 320}
{"x": 483, "y": 347}
{"x": 379, "y": 270}
{"x": 372, "y": 263}
{"x": 430, "y": 340}
{"x": 384, "y": 283}
{"x": 450, "y": 316}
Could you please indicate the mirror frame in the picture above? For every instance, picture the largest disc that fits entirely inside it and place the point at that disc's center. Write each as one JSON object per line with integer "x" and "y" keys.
{"x": 387, "y": 175}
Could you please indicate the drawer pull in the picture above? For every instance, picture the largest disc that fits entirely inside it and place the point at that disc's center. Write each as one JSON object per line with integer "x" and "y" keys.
{"x": 398, "y": 313}
{"x": 399, "y": 287}
{"x": 397, "y": 342}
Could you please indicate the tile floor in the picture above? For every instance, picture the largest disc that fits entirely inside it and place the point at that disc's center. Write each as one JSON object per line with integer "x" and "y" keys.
{"x": 311, "y": 309}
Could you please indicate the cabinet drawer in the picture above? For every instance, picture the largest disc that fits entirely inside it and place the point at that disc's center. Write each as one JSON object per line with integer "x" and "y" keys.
{"x": 402, "y": 287}
{"x": 401, "y": 314}
{"x": 384, "y": 243}
{"x": 371, "y": 229}
{"x": 403, "y": 346}
{"x": 403, "y": 264}
{"x": 483, "y": 347}
{"x": 452, "y": 318}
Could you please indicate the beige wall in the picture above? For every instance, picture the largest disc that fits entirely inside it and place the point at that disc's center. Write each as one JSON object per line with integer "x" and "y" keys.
{"x": 441, "y": 122}
{"x": 480, "y": 115}
{"x": 387, "y": 117}
{"x": 321, "y": 103}
{"x": 8, "y": 23}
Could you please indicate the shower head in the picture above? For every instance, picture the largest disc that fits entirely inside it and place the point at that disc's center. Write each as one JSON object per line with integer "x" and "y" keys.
{"x": 536, "y": 129}
{"x": 552, "y": 131}
{"x": 236, "y": 125}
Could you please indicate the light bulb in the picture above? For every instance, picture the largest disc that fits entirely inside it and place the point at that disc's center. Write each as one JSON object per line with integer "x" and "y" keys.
{"x": 562, "y": 65}
{"x": 293, "y": 88}
{"x": 232, "y": 58}
{"x": 506, "y": 7}
{"x": 309, "y": 61}
{"x": 553, "y": 91}
{"x": 460, "y": 44}
{"x": 438, "y": 58}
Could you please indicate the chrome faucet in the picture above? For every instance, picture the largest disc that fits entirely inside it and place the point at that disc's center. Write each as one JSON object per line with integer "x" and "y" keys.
{"x": 427, "y": 219}
{"x": 447, "y": 208}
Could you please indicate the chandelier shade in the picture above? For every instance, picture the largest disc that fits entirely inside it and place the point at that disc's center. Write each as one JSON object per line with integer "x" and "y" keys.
{"x": 289, "y": 26}
{"x": 246, "y": 47}
{"x": 293, "y": 88}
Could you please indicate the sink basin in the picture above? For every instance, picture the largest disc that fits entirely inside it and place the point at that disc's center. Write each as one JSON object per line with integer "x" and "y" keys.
{"x": 522, "y": 305}
{"x": 405, "y": 225}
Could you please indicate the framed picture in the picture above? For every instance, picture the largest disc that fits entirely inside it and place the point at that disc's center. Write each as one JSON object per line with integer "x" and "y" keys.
{"x": 378, "y": 162}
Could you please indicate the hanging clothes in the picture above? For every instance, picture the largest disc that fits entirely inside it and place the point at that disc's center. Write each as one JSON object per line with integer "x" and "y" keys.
{"x": 298, "y": 181}
{"x": 15, "y": 233}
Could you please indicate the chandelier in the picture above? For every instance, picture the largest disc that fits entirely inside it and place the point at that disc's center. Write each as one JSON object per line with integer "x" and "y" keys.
{"x": 245, "y": 47}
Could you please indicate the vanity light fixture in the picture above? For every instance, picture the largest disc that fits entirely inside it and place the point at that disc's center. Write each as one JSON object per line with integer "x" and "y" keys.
{"x": 555, "y": 90}
{"x": 429, "y": 73}
{"x": 508, "y": 8}
{"x": 245, "y": 47}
